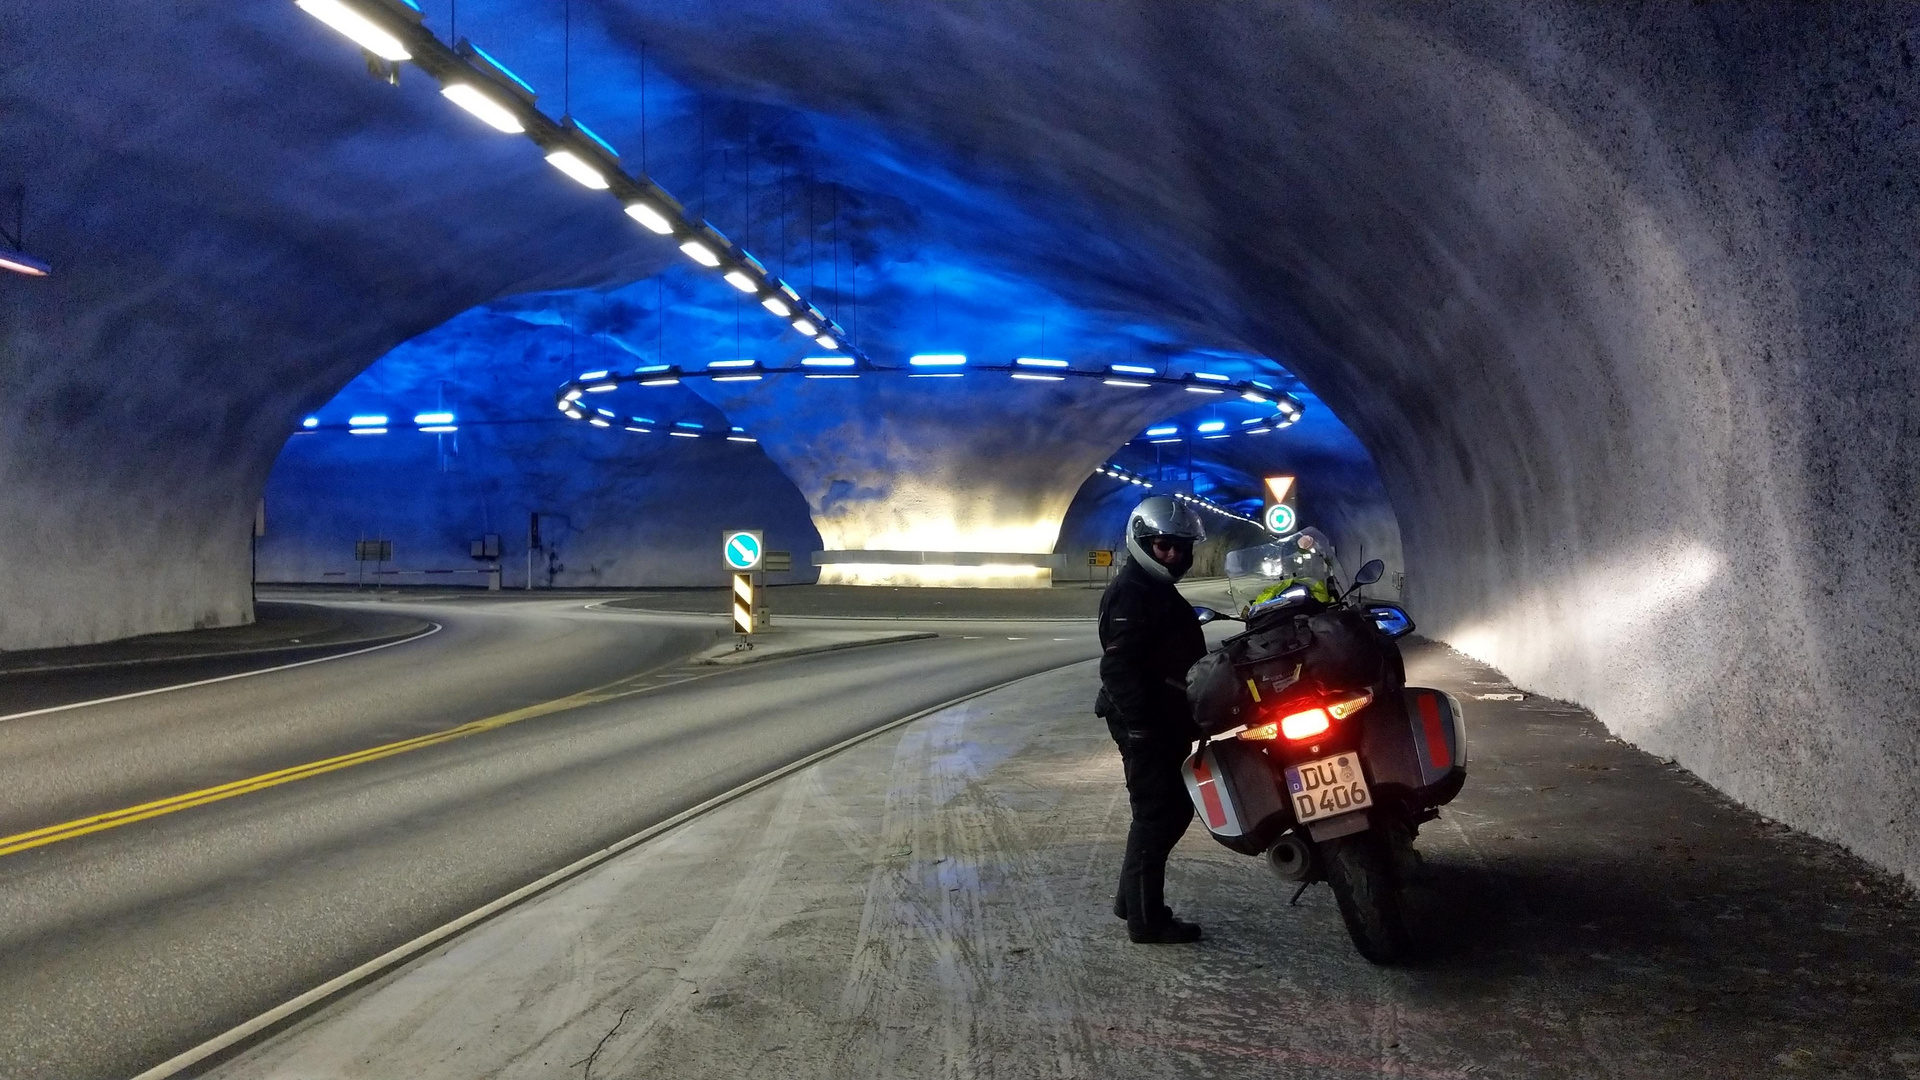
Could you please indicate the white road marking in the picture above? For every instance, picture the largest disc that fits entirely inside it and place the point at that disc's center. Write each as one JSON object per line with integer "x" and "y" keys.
{"x": 433, "y": 629}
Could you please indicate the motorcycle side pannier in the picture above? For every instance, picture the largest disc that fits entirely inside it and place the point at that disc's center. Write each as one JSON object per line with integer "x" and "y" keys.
{"x": 1239, "y": 800}
{"x": 1420, "y": 747}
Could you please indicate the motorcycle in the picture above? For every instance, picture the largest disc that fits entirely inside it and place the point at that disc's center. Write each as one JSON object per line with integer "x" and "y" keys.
{"x": 1316, "y": 754}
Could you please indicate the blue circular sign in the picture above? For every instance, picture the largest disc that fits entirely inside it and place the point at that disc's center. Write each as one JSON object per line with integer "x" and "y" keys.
{"x": 742, "y": 550}
{"x": 1280, "y": 518}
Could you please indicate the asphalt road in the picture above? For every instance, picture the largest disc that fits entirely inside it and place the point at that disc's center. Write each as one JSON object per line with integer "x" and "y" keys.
{"x": 121, "y": 947}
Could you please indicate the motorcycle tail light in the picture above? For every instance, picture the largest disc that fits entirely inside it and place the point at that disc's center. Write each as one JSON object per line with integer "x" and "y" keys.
{"x": 1305, "y": 725}
{"x": 1301, "y": 725}
{"x": 1343, "y": 709}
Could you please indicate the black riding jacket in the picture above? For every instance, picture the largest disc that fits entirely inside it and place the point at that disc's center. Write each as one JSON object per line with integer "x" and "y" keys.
{"x": 1149, "y": 637}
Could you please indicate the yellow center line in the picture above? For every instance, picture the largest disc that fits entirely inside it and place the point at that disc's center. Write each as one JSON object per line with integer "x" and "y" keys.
{"x": 112, "y": 819}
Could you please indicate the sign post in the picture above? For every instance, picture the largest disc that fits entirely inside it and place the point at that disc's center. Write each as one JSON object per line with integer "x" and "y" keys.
{"x": 745, "y": 553}
{"x": 1099, "y": 557}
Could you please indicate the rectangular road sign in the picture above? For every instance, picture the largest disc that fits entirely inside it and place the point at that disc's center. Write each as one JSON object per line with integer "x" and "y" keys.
{"x": 1100, "y": 558}
{"x": 778, "y": 562}
{"x": 373, "y": 551}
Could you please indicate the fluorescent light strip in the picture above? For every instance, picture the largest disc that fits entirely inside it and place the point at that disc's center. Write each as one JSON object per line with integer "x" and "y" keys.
{"x": 1212, "y": 425}
{"x": 1169, "y": 430}
{"x": 569, "y": 162}
{"x": 732, "y": 363}
{"x": 1035, "y": 361}
{"x": 597, "y": 422}
{"x": 700, "y": 253}
{"x": 938, "y": 360}
{"x": 310, "y": 422}
{"x": 439, "y": 429}
{"x": 683, "y": 434}
{"x": 806, "y": 327}
{"x": 1132, "y": 369}
{"x": 833, "y": 376}
{"x": 500, "y": 67}
{"x": 651, "y": 368}
{"x": 589, "y": 376}
{"x": 736, "y": 378}
{"x": 937, "y": 375}
{"x": 743, "y": 281}
{"x": 777, "y": 306}
{"x": 22, "y": 263}
{"x": 368, "y": 430}
{"x": 357, "y": 28}
{"x": 1204, "y": 390}
{"x": 1210, "y": 376}
{"x": 471, "y": 98}
{"x": 827, "y": 361}
{"x": 1028, "y": 375}
{"x": 660, "y": 382}
{"x": 433, "y": 418}
{"x": 1124, "y": 382}
{"x": 591, "y": 134}
{"x": 654, "y": 220}
{"x": 369, "y": 420}
{"x": 602, "y": 388}
{"x": 826, "y": 342}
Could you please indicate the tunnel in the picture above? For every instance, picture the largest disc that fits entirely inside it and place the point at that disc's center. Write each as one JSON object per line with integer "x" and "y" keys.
{"x": 1599, "y": 321}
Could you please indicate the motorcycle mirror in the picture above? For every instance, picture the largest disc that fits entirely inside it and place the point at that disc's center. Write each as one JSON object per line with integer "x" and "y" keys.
{"x": 1207, "y": 614}
{"x": 1373, "y": 571}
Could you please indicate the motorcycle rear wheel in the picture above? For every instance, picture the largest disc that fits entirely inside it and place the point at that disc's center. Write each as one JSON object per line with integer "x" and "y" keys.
{"x": 1363, "y": 873}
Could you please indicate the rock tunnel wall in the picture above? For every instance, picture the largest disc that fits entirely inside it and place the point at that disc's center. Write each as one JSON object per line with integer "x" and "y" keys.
{"x": 1620, "y": 298}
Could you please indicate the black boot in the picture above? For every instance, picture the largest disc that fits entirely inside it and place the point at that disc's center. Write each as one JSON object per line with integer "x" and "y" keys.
{"x": 1168, "y": 931}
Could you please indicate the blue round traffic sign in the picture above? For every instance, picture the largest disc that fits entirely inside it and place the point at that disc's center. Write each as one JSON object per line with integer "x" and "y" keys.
{"x": 1280, "y": 518}
{"x": 742, "y": 550}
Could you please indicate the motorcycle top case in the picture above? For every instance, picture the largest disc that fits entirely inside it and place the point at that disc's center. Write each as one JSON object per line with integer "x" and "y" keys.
{"x": 1421, "y": 747}
{"x": 1239, "y": 800}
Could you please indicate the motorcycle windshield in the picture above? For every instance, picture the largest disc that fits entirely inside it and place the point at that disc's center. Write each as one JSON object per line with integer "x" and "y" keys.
{"x": 1252, "y": 571}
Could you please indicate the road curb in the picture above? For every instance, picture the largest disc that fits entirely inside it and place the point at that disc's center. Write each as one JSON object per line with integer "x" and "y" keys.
{"x": 214, "y": 1050}
{"x": 738, "y": 659}
{"x": 227, "y": 654}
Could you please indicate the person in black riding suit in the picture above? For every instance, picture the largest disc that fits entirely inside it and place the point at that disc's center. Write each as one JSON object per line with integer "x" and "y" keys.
{"x": 1149, "y": 637}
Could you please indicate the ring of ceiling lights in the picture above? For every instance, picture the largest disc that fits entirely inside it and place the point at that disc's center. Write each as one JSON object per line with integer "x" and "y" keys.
{"x": 571, "y": 397}
{"x": 1128, "y": 476}
{"x": 393, "y": 31}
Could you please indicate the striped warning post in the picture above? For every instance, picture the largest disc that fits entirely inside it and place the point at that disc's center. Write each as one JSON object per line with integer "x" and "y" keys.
{"x": 743, "y": 603}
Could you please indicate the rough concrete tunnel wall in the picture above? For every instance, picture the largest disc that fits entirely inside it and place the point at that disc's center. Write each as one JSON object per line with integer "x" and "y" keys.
{"x": 1620, "y": 298}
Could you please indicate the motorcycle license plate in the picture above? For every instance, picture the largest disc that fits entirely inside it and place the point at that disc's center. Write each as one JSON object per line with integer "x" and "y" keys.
{"x": 1332, "y": 785}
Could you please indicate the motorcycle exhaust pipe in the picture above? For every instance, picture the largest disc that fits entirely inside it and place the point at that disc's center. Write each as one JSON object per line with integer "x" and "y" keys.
{"x": 1290, "y": 858}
